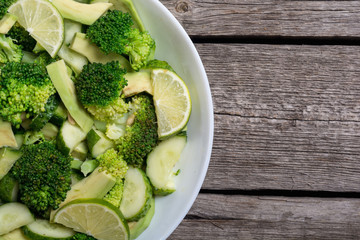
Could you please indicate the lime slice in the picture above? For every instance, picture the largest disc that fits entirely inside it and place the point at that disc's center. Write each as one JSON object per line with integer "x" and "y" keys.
{"x": 172, "y": 102}
{"x": 42, "y": 20}
{"x": 95, "y": 217}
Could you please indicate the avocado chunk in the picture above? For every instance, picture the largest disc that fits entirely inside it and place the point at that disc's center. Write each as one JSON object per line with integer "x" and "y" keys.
{"x": 7, "y": 137}
{"x": 66, "y": 89}
{"x": 96, "y": 185}
{"x": 137, "y": 82}
{"x": 93, "y": 53}
{"x": 128, "y": 6}
{"x": 8, "y": 157}
{"x": 81, "y": 12}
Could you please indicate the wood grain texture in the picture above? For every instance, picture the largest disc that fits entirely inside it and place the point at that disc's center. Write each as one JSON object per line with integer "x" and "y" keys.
{"x": 241, "y": 217}
{"x": 267, "y": 17}
{"x": 286, "y": 117}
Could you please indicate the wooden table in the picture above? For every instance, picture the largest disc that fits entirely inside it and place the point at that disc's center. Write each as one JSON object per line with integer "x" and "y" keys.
{"x": 285, "y": 81}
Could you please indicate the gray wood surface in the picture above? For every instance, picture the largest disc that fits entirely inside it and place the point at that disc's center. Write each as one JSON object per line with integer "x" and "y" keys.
{"x": 267, "y": 17}
{"x": 241, "y": 217}
{"x": 287, "y": 118}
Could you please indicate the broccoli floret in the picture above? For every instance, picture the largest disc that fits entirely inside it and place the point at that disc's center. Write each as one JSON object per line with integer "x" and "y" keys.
{"x": 141, "y": 136}
{"x": 44, "y": 176}
{"x": 4, "y": 5}
{"x": 114, "y": 196}
{"x": 114, "y": 32}
{"x": 9, "y": 51}
{"x": 99, "y": 87}
{"x": 82, "y": 236}
{"x": 113, "y": 164}
{"x": 24, "y": 87}
{"x": 22, "y": 37}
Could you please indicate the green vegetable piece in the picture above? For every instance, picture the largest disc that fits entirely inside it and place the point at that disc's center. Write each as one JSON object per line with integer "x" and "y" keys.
{"x": 31, "y": 137}
{"x": 138, "y": 227}
{"x": 8, "y": 157}
{"x": 24, "y": 87}
{"x": 19, "y": 137}
{"x": 50, "y": 131}
{"x": 69, "y": 137}
{"x": 14, "y": 215}
{"x": 9, "y": 188}
{"x": 17, "y": 234}
{"x": 76, "y": 164}
{"x": 42, "y": 229}
{"x": 114, "y": 32}
{"x": 43, "y": 174}
{"x": 75, "y": 60}
{"x": 93, "y": 53}
{"x": 4, "y": 5}
{"x": 128, "y": 6}
{"x": 136, "y": 200}
{"x": 88, "y": 166}
{"x": 9, "y": 51}
{"x": 115, "y": 195}
{"x": 60, "y": 115}
{"x": 96, "y": 185}
{"x": 7, "y": 22}
{"x": 98, "y": 143}
{"x": 7, "y": 137}
{"x": 137, "y": 82}
{"x": 66, "y": 89}
{"x": 39, "y": 121}
{"x": 80, "y": 151}
{"x": 160, "y": 164}
{"x": 81, "y": 12}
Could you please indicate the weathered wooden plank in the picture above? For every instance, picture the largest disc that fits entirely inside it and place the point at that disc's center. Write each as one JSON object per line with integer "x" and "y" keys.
{"x": 284, "y": 81}
{"x": 267, "y": 17}
{"x": 287, "y": 117}
{"x": 242, "y": 217}
{"x": 260, "y": 153}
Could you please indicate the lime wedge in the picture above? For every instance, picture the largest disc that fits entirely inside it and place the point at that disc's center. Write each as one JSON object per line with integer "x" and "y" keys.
{"x": 172, "y": 102}
{"x": 95, "y": 217}
{"x": 42, "y": 20}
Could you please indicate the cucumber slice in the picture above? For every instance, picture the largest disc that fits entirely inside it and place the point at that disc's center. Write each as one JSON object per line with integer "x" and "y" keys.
{"x": 80, "y": 151}
{"x": 76, "y": 177}
{"x": 17, "y": 234}
{"x": 8, "y": 157}
{"x": 50, "y": 131}
{"x": 59, "y": 116}
{"x": 39, "y": 121}
{"x": 136, "y": 228}
{"x": 137, "y": 195}
{"x": 69, "y": 137}
{"x": 42, "y": 229}
{"x": 9, "y": 189}
{"x": 13, "y": 216}
{"x": 98, "y": 143}
{"x": 160, "y": 164}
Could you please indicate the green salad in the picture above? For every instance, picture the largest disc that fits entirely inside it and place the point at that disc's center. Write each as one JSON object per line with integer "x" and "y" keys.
{"x": 91, "y": 123}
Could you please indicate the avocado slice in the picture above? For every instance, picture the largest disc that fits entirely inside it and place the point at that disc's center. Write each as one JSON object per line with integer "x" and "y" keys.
{"x": 7, "y": 137}
{"x": 81, "y": 12}
{"x": 137, "y": 82}
{"x": 66, "y": 89}
{"x": 128, "y": 6}
{"x": 93, "y": 53}
{"x": 8, "y": 157}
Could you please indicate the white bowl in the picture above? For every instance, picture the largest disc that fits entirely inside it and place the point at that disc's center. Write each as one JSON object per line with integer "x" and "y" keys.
{"x": 174, "y": 46}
